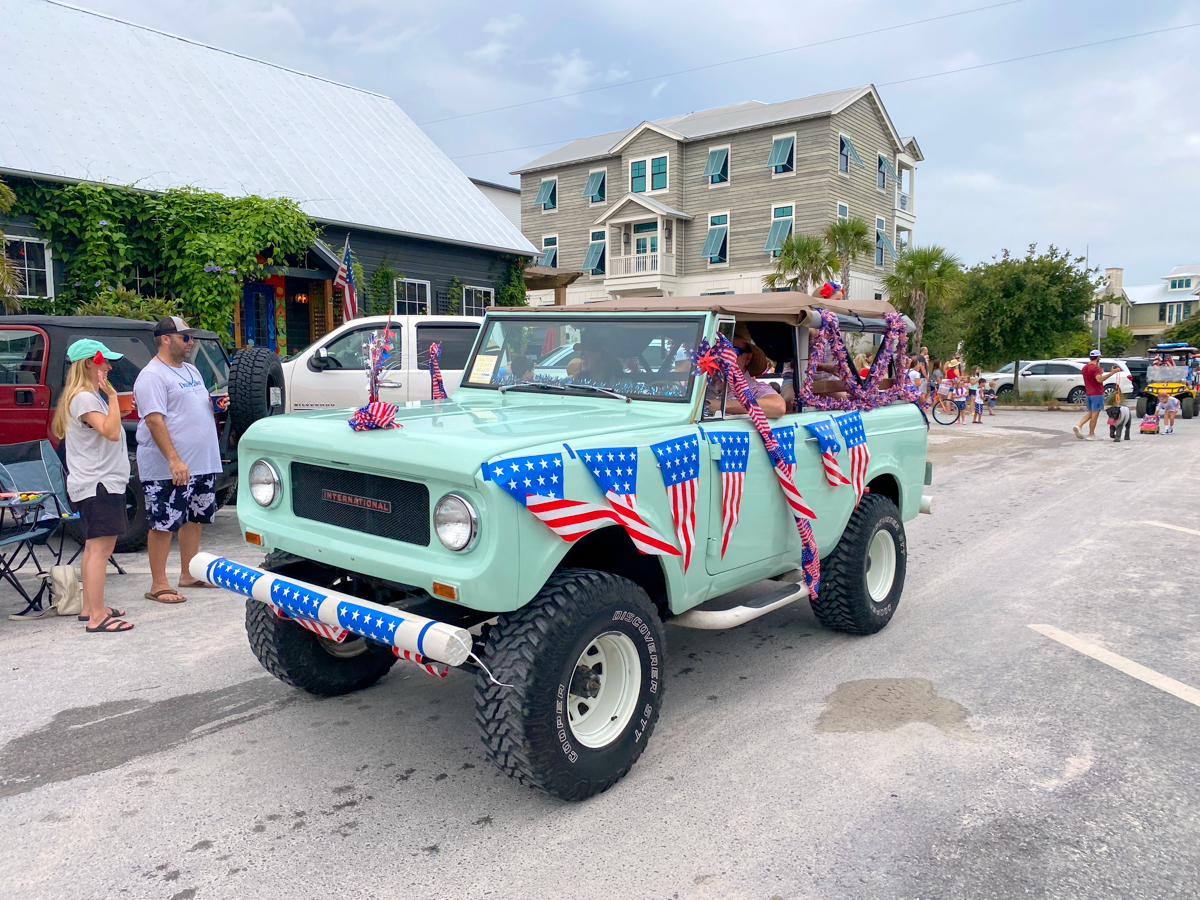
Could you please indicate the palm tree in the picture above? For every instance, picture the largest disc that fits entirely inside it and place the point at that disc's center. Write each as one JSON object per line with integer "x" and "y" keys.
{"x": 10, "y": 281}
{"x": 922, "y": 276}
{"x": 848, "y": 239}
{"x": 803, "y": 261}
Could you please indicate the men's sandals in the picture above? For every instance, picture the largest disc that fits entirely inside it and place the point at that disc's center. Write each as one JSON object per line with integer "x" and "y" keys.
{"x": 112, "y": 611}
{"x": 110, "y": 625}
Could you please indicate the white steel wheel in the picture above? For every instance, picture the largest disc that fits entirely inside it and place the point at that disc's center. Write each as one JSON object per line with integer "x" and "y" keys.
{"x": 881, "y": 565}
{"x": 604, "y": 689}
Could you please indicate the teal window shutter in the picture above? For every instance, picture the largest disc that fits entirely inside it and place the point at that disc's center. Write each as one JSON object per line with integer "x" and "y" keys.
{"x": 780, "y": 229}
{"x": 592, "y": 261}
{"x": 594, "y": 190}
{"x": 714, "y": 242}
{"x": 548, "y": 256}
{"x": 887, "y": 164}
{"x": 716, "y": 162}
{"x": 781, "y": 154}
{"x": 887, "y": 243}
{"x": 545, "y": 194}
{"x": 853, "y": 153}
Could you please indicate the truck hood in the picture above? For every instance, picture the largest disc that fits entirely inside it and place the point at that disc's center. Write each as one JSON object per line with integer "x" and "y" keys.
{"x": 451, "y": 439}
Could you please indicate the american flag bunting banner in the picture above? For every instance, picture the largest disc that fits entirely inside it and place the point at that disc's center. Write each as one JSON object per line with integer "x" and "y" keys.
{"x": 345, "y": 280}
{"x": 615, "y": 470}
{"x": 679, "y": 461}
{"x": 436, "y": 671}
{"x": 437, "y": 388}
{"x": 290, "y": 601}
{"x": 536, "y": 482}
{"x": 735, "y": 453}
{"x": 851, "y": 425}
{"x": 374, "y": 415}
{"x": 827, "y": 440}
{"x": 785, "y": 469}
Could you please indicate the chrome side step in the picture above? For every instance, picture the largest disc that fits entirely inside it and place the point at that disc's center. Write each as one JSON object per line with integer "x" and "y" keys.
{"x": 719, "y": 619}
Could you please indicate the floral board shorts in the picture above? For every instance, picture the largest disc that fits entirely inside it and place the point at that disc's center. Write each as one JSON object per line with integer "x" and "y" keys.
{"x": 169, "y": 505}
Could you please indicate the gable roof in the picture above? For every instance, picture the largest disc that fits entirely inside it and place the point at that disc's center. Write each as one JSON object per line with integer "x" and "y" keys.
{"x": 1190, "y": 269}
{"x": 719, "y": 120}
{"x": 649, "y": 203}
{"x": 92, "y": 98}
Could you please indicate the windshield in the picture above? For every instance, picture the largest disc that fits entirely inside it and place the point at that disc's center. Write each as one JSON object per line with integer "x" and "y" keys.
{"x": 209, "y": 358}
{"x": 642, "y": 358}
{"x": 1161, "y": 374}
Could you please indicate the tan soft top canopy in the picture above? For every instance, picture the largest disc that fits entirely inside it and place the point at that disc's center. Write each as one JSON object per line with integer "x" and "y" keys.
{"x": 790, "y": 307}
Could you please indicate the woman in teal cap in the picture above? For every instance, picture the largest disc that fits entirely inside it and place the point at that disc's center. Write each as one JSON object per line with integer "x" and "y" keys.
{"x": 88, "y": 417}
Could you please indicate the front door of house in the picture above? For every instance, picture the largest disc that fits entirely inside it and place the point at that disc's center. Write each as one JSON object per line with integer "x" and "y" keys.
{"x": 258, "y": 315}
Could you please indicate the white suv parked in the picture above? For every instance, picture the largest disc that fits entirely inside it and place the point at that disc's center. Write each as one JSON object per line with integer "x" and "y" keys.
{"x": 330, "y": 374}
{"x": 1062, "y": 377}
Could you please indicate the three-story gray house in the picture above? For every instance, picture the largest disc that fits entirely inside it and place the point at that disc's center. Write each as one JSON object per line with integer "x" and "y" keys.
{"x": 699, "y": 203}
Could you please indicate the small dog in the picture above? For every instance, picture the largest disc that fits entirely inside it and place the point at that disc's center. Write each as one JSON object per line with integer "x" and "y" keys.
{"x": 1118, "y": 417}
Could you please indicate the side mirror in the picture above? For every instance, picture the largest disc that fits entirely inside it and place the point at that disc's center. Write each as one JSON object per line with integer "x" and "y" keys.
{"x": 319, "y": 361}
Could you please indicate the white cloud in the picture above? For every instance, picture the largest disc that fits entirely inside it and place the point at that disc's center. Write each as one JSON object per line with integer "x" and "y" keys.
{"x": 658, "y": 89}
{"x": 503, "y": 26}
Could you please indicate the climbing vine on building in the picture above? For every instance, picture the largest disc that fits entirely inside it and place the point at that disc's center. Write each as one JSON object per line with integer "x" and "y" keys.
{"x": 193, "y": 247}
{"x": 510, "y": 287}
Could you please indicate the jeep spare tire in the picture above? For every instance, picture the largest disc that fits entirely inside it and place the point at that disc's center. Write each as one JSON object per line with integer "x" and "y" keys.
{"x": 255, "y": 387}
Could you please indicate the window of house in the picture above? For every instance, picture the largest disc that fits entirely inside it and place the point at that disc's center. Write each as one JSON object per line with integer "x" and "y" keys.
{"x": 594, "y": 189}
{"x": 594, "y": 260}
{"x": 31, "y": 259}
{"x": 658, "y": 173}
{"x": 1162, "y": 312}
{"x": 843, "y": 212}
{"x": 716, "y": 168}
{"x": 645, "y": 238}
{"x": 846, "y": 154}
{"x": 781, "y": 226}
{"x": 549, "y": 251}
{"x": 475, "y": 300}
{"x": 783, "y": 154}
{"x": 716, "y": 244}
{"x": 882, "y": 241}
{"x": 411, "y": 297}
{"x": 881, "y": 175}
{"x": 547, "y": 195}
{"x": 637, "y": 176}
{"x": 1179, "y": 284}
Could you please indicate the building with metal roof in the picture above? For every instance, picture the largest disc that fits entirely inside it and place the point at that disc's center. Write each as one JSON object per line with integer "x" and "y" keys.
{"x": 90, "y": 98}
{"x": 1153, "y": 308}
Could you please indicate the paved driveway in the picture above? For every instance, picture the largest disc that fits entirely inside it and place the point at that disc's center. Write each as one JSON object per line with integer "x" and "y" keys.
{"x": 958, "y": 754}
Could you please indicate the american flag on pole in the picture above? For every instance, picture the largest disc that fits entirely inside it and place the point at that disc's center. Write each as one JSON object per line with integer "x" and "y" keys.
{"x": 537, "y": 484}
{"x": 345, "y": 280}
{"x": 851, "y": 425}
{"x": 735, "y": 453}
{"x": 680, "y": 463}
{"x": 615, "y": 470}
{"x": 827, "y": 439}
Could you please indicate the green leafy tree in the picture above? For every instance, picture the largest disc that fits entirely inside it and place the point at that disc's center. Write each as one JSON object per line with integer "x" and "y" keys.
{"x": 510, "y": 288}
{"x": 803, "y": 260}
{"x": 1117, "y": 342}
{"x": 1187, "y": 330}
{"x": 10, "y": 281}
{"x": 848, "y": 239}
{"x": 1024, "y": 308}
{"x": 128, "y": 304}
{"x": 923, "y": 276}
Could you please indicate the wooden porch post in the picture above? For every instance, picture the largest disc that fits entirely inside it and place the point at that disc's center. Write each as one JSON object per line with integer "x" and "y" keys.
{"x": 328, "y": 305}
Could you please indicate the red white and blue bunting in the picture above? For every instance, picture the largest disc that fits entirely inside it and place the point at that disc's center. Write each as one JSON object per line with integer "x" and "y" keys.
{"x": 615, "y": 470}
{"x": 375, "y": 414}
{"x": 436, "y": 387}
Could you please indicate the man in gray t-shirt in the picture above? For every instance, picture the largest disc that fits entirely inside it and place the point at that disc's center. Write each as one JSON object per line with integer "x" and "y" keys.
{"x": 179, "y": 455}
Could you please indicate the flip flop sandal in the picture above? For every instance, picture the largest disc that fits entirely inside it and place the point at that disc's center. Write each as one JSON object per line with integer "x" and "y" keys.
{"x": 103, "y": 628}
{"x": 158, "y": 595}
{"x": 200, "y": 584}
{"x": 112, "y": 611}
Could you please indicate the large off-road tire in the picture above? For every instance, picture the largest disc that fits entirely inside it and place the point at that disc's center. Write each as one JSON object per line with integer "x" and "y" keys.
{"x": 863, "y": 578}
{"x": 255, "y": 381}
{"x": 134, "y": 538}
{"x": 584, "y": 661}
{"x": 1142, "y": 406}
{"x": 1187, "y": 407}
{"x": 300, "y": 658}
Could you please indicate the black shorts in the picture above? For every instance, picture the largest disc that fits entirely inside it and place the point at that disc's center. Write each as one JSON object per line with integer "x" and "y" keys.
{"x": 169, "y": 505}
{"x": 103, "y": 515}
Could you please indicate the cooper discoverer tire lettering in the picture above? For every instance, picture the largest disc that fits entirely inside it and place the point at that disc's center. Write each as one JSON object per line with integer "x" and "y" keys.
{"x": 850, "y": 598}
{"x": 584, "y": 661}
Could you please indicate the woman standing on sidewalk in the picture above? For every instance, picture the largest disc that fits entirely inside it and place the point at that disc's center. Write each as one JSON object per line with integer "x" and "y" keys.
{"x": 97, "y": 471}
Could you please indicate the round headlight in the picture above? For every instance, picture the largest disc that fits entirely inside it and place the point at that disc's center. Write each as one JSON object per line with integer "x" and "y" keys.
{"x": 455, "y": 521}
{"x": 264, "y": 483}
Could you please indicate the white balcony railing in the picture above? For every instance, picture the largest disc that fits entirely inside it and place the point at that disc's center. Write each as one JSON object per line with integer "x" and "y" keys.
{"x": 641, "y": 264}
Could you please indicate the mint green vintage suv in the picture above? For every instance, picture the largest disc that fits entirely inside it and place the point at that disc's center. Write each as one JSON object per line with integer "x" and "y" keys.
{"x": 542, "y": 526}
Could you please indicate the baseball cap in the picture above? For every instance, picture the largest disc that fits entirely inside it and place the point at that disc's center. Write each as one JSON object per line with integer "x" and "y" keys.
{"x": 87, "y": 349}
{"x": 1095, "y": 354}
{"x": 173, "y": 325}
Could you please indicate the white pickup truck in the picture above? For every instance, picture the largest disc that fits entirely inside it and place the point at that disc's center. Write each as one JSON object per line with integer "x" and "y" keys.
{"x": 330, "y": 374}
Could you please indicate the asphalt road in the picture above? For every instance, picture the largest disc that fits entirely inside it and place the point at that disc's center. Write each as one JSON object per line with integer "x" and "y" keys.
{"x": 957, "y": 754}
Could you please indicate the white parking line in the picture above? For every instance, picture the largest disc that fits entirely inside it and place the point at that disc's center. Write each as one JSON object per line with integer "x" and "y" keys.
{"x": 1173, "y": 527}
{"x": 1121, "y": 664}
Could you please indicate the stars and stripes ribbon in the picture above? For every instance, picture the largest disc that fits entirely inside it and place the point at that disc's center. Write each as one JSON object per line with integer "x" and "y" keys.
{"x": 436, "y": 671}
{"x": 536, "y": 482}
{"x": 785, "y": 440}
{"x": 290, "y": 601}
{"x": 437, "y": 388}
{"x": 827, "y": 439}
{"x": 679, "y": 460}
{"x": 615, "y": 470}
{"x": 851, "y": 425}
{"x": 376, "y": 414}
{"x": 735, "y": 452}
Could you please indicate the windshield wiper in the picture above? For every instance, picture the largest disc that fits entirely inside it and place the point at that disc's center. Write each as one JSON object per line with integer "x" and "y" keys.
{"x": 567, "y": 386}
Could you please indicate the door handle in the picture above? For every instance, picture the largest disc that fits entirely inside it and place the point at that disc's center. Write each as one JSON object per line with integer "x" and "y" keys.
{"x": 23, "y": 397}
{"x": 391, "y": 384}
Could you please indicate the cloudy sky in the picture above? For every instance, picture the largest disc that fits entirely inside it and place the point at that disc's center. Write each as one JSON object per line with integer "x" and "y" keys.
{"x": 1096, "y": 149}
